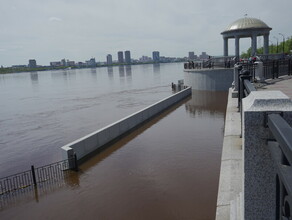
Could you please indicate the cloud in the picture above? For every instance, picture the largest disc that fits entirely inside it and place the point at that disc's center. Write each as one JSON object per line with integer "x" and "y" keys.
{"x": 78, "y": 29}
{"x": 55, "y": 19}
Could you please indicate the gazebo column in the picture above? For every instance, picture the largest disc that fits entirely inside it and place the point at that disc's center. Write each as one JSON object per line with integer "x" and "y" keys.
{"x": 266, "y": 44}
{"x": 253, "y": 44}
{"x": 225, "y": 40}
{"x": 237, "y": 46}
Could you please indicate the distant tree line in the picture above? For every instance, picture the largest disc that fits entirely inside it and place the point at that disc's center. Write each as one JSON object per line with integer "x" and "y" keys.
{"x": 273, "y": 48}
{"x": 4, "y": 70}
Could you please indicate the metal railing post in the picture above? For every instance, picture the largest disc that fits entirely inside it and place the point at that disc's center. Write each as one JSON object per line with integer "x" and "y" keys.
{"x": 75, "y": 162}
{"x": 289, "y": 67}
{"x": 245, "y": 74}
{"x": 273, "y": 70}
{"x": 282, "y": 155}
{"x": 33, "y": 175}
{"x": 277, "y": 68}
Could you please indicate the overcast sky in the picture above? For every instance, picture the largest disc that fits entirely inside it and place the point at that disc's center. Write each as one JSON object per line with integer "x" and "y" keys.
{"x": 50, "y": 30}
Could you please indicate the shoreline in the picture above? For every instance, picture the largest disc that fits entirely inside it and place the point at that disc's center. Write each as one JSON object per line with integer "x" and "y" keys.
{"x": 9, "y": 70}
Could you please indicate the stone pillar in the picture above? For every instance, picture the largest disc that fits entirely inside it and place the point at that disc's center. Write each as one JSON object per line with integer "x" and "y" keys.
{"x": 266, "y": 44}
{"x": 254, "y": 45}
{"x": 225, "y": 39}
{"x": 235, "y": 79}
{"x": 259, "y": 183}
{"x": 259, "y": 71}
{"x": 237, "y": 47}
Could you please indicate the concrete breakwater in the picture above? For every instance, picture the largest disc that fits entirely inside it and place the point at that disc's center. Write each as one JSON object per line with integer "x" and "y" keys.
{"x": 209, "y": 79}
{"x": 96, "y": 140}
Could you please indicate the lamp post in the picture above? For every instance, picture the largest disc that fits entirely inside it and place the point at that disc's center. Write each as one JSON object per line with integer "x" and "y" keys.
{"x": 271, "y": 46}
{"x": 283, "y": 42}
{"x": 277, "y": 43}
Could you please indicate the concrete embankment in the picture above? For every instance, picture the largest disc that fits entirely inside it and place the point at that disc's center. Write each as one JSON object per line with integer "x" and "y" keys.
{"x": 229, "y": 200}
{"x": 248, "y": 168}
{"x": 219, "y": 79}
{"x": 96, "y": 140}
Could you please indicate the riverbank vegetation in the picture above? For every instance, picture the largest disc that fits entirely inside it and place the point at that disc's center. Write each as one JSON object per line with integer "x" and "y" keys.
{"x": 4, "y": 70}
{"x": 273, "y": 48}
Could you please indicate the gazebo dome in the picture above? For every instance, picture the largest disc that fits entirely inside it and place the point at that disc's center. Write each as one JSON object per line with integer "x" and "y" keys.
{"x": 246, "y": 23}
{"x": 247, "y": 28}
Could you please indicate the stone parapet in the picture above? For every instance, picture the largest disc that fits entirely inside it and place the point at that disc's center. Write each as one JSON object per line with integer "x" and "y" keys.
{"x": 259, "y": 174}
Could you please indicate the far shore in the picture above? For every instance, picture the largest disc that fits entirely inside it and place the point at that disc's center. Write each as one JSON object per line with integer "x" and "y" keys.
{"x": 7, "y": 70}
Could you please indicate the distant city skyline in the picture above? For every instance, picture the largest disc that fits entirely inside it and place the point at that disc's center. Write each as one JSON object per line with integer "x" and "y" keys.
{"x": 77, "y": 30}
{"x": 122, "y": 58}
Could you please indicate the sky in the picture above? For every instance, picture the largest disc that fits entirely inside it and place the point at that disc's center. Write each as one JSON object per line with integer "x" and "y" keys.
{"x": 51, "y": 30}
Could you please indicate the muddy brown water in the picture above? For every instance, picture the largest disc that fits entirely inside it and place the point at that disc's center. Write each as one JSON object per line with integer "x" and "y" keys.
{"x": 166, "y": 169}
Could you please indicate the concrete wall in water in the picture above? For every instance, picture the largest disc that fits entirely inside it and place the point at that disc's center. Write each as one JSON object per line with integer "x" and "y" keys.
{"x": 209, "y": 79}
{"x": 92, "y": 142}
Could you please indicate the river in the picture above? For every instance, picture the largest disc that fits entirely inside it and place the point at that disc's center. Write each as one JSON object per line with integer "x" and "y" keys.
{"x": 167, "y": 169}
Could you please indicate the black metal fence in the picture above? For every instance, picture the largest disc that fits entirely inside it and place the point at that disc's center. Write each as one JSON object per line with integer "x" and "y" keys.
{"x": 214, "y": 62}
{"x": 281, "y": 151}
{"x": 37, "y": 175}
{"x": 208, "y": 65}
{"x": 271, "y": 68}
{"x": 275, "y": 68}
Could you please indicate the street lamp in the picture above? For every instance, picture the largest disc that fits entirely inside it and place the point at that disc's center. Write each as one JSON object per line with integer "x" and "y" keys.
{"x": 277, "y": 43}
{"x": 283, "y": 42}
{"x": 271, "y": 46}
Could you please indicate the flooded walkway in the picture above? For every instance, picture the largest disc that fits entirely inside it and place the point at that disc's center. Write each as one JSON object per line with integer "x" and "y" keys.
{"x": 166, "y": 169}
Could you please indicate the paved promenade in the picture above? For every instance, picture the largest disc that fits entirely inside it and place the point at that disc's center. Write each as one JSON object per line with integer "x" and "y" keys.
{"x": 283, "y": 84}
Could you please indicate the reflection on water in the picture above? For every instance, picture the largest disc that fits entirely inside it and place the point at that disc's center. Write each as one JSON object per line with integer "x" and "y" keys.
{"x": 36, "y": 193}
{"x": 34, "y": 77}
{"x": 122, "y": 71}
{"x": 156, "y": 67}
{"x": 93, "y": 74}
{"x": 166, "y": 169}
{"x": 110, "y": 72}
{"x": 129, "y": 70}
{"x": 94, "y": 160}
{"x": 214, "y": 102}
{"x": 93, "y": 71}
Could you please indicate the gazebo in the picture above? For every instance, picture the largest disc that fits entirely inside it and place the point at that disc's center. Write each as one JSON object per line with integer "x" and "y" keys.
{"x": 244, "y": 28}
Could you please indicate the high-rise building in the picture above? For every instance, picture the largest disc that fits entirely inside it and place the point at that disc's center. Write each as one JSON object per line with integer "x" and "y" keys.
{"x": 128, "y": 57}
{"x": 63, "y": 62}
{"x": 204, "y": 56}
{"x": 55, "y": 63}
{"x": 155, "y": 56}
{"x": 191, "y": 55}
{"x": 70, "y": 63}
{"x": 32, "y": 64}
{"x": 109, "y": 59}
{"x": 91, "y": 62}
{"x": 120, "y": 57}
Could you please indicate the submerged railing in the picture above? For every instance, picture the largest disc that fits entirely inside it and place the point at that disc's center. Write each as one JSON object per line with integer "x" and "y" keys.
{"x": 34, "y": 176}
